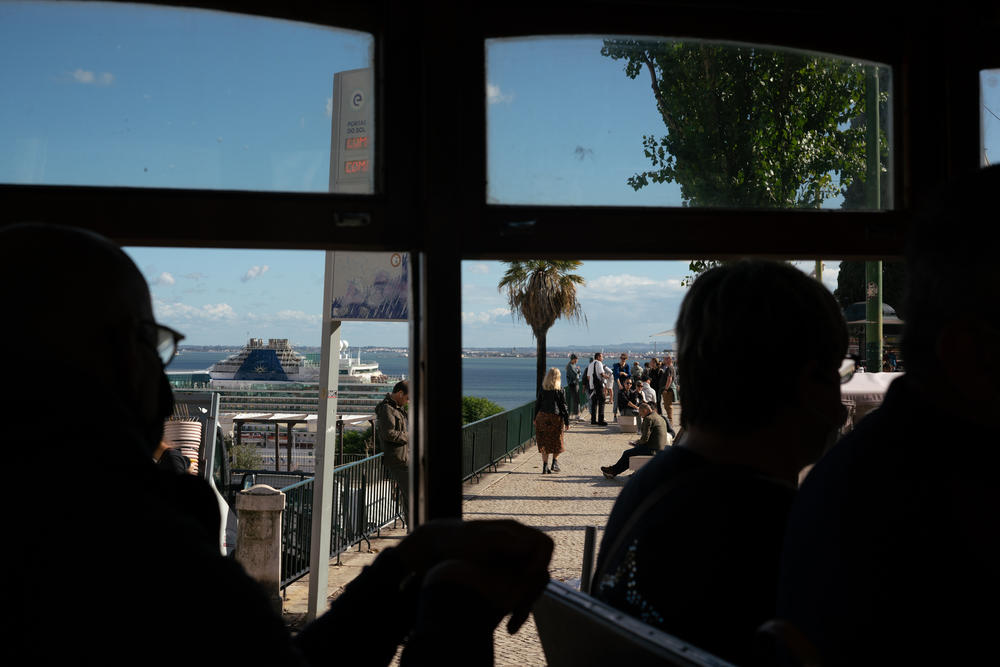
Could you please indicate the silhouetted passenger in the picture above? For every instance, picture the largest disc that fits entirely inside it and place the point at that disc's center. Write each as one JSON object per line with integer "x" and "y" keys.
{"x": 92, "y": 540}
{"x": 693, "y": 542}
{"x": 893, "y": 549}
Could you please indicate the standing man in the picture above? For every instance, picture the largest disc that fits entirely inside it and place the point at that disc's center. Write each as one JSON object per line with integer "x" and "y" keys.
{"x": 619, "y": 372}
{"x": 573, "y": 387}
{"x": 668, "y": 379}
{"x": 392, "y": 433}
{"x": 595, "y": 384}
{"x": 654, "y": 438}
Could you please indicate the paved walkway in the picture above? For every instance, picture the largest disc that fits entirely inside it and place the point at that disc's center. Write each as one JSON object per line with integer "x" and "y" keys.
{"x": 561, "y": 504}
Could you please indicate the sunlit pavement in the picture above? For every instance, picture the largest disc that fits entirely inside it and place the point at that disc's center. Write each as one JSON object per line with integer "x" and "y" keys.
{"x": 561, "y": 504}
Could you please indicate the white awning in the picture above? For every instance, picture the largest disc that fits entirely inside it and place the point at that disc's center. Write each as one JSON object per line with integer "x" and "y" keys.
{"x": 868, "y": 387}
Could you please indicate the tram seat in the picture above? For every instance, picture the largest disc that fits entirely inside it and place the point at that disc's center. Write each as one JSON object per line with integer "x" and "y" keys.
{"x": 576, "y": 629}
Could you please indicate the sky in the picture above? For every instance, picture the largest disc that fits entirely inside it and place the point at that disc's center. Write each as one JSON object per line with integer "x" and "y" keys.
{"x": 151, "y": 96}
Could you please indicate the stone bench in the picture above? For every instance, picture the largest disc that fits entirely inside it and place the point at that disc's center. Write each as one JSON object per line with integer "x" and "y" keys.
{"x": 628, "y": 423}
{"x": 637, "y": 462}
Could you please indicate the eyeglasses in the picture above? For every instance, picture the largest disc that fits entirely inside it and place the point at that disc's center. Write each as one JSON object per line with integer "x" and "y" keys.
{"x": 848, "y": 367}
{"x": 166, "y": 341}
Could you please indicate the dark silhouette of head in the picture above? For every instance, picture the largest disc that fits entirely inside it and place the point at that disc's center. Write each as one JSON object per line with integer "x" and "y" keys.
{"x": 747, "y": 332}
{"x": 76, "y": 297}
{"x": 953, "y": 289}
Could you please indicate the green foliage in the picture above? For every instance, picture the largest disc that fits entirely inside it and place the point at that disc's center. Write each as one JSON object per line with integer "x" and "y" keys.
{"x": 541, "y": 291}
{"x": 749, "y": 127}
{"x": 245, "y": 457}
{"x": 359, "y": 442}
{"x": 475, "y": 408}
{"x": 851, "y": 283}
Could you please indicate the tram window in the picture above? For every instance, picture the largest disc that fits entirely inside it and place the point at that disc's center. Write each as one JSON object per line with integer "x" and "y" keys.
{"x": 989, "y": 83}
{"x": 576, "y": 121}
{"x": 112, "y": 94}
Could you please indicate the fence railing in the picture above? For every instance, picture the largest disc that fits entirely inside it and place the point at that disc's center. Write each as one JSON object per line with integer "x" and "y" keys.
{"x": 488, "y": 441}
{"x": 365, "y": 500}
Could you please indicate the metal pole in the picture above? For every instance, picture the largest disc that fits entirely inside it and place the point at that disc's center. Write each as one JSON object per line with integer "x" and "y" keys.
{"x": 873, "y": 270}
{"x": 319, "y": 552}
{"x": 587, "y": 573}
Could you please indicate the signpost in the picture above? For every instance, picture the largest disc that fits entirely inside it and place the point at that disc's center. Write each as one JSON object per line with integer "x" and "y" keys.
{"x": 360, "y": 286}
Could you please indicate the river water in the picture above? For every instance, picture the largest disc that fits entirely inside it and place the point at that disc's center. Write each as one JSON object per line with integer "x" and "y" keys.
{"x": 507, "y": 381}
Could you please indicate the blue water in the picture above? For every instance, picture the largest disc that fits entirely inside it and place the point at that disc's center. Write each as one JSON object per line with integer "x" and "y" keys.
{"x": 507, "y": 381}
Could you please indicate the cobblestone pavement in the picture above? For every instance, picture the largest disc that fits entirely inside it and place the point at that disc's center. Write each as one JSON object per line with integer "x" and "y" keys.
{"x": 561, "y": 504}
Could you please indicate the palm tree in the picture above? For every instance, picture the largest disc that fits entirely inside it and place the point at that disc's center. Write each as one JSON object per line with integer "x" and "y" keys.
{"x": 541, "y": 291}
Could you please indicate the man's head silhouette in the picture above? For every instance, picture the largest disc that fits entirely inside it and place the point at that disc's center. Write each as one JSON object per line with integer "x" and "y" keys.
{"x": 74, "y": 297}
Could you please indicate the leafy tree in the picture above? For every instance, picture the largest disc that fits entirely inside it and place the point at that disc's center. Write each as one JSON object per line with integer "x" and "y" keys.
{"x": 851, "y": 284}
{"x": 749, "y": 127}
{"x": 475, "y": 408}
{"x": 540, "y": 292}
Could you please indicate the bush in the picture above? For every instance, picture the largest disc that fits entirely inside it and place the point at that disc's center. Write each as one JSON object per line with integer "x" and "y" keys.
{"x": 475, "y": 408}
{"x": 245, "y": 457}
{"x": 358, "y": 442}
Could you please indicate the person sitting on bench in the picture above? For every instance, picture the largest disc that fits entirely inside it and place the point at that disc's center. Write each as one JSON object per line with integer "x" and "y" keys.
{"x": 654, "y": 438}
{"x": 628, "y": 400}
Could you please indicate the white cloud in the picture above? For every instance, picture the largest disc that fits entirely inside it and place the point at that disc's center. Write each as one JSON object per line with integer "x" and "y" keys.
{"x": 478, "y": 267}
{"x": 163, "y": 279}
{"x": 254, "y": 272}
{"x": 182, "y": 311}
{"x": 484, "y": 317}
{"x": 329, "y": 107}
{"x": 86, "y": 76}
{"x": 494, "y": 96}
{"x": 299, "y": 316}
{"x": 628, "y": 287}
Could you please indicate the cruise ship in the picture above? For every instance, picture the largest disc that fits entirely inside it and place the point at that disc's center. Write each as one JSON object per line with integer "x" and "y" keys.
{"x": 271, "y": 377}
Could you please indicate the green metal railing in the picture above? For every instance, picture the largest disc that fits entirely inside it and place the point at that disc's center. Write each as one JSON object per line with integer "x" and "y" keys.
{"x": 365, "y": 500}
{"x": 488, "y": 441}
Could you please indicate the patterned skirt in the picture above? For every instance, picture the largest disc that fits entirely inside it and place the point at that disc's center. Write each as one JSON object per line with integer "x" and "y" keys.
{"x": 549, "y": 433}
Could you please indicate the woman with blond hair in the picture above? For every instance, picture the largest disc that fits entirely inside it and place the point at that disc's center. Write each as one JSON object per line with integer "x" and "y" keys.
{"x": 551, "y": 416}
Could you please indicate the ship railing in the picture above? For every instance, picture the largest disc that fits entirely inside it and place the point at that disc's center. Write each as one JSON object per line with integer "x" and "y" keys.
{"x": 365, "y": 500}
{"x": 487, "y": 442}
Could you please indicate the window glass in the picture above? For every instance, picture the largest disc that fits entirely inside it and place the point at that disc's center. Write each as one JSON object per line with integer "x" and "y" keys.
{"x": 127, "y": 95}
{"x": 629, "y": 121}
{"x": 989, "y": 81}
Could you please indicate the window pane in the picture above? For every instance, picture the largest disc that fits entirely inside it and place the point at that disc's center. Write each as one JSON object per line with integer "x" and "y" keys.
{"x": 127, "y": 95}
{"x": 658, "y": 122}
{"x": 989, "y": 82}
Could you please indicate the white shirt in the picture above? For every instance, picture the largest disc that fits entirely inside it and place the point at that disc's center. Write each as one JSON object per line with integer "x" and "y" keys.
{"x": 598, "y": 368}
{"x": 647, "y": 393}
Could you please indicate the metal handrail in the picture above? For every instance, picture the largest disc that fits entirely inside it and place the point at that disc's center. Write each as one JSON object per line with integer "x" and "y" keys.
{"x": 488, "y": 441}
{"x": 365, "y": 500}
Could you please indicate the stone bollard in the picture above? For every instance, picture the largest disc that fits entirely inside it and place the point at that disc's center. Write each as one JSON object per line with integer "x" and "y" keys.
{"x": 258, "y": 545}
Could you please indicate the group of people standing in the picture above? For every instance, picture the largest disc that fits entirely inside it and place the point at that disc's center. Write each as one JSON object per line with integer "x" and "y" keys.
{"x": 631, "y": 391}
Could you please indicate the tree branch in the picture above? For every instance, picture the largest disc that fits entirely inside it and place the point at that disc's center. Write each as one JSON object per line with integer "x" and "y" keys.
{"x": 661, "y": 104}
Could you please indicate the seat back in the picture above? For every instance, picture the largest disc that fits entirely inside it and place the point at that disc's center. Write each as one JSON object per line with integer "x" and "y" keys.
{"x": 577, "y": 629}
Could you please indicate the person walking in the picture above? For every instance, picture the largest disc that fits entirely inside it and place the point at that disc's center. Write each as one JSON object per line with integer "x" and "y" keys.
{"x": 551, "y": 419}
{"x": 573, "y": 387}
